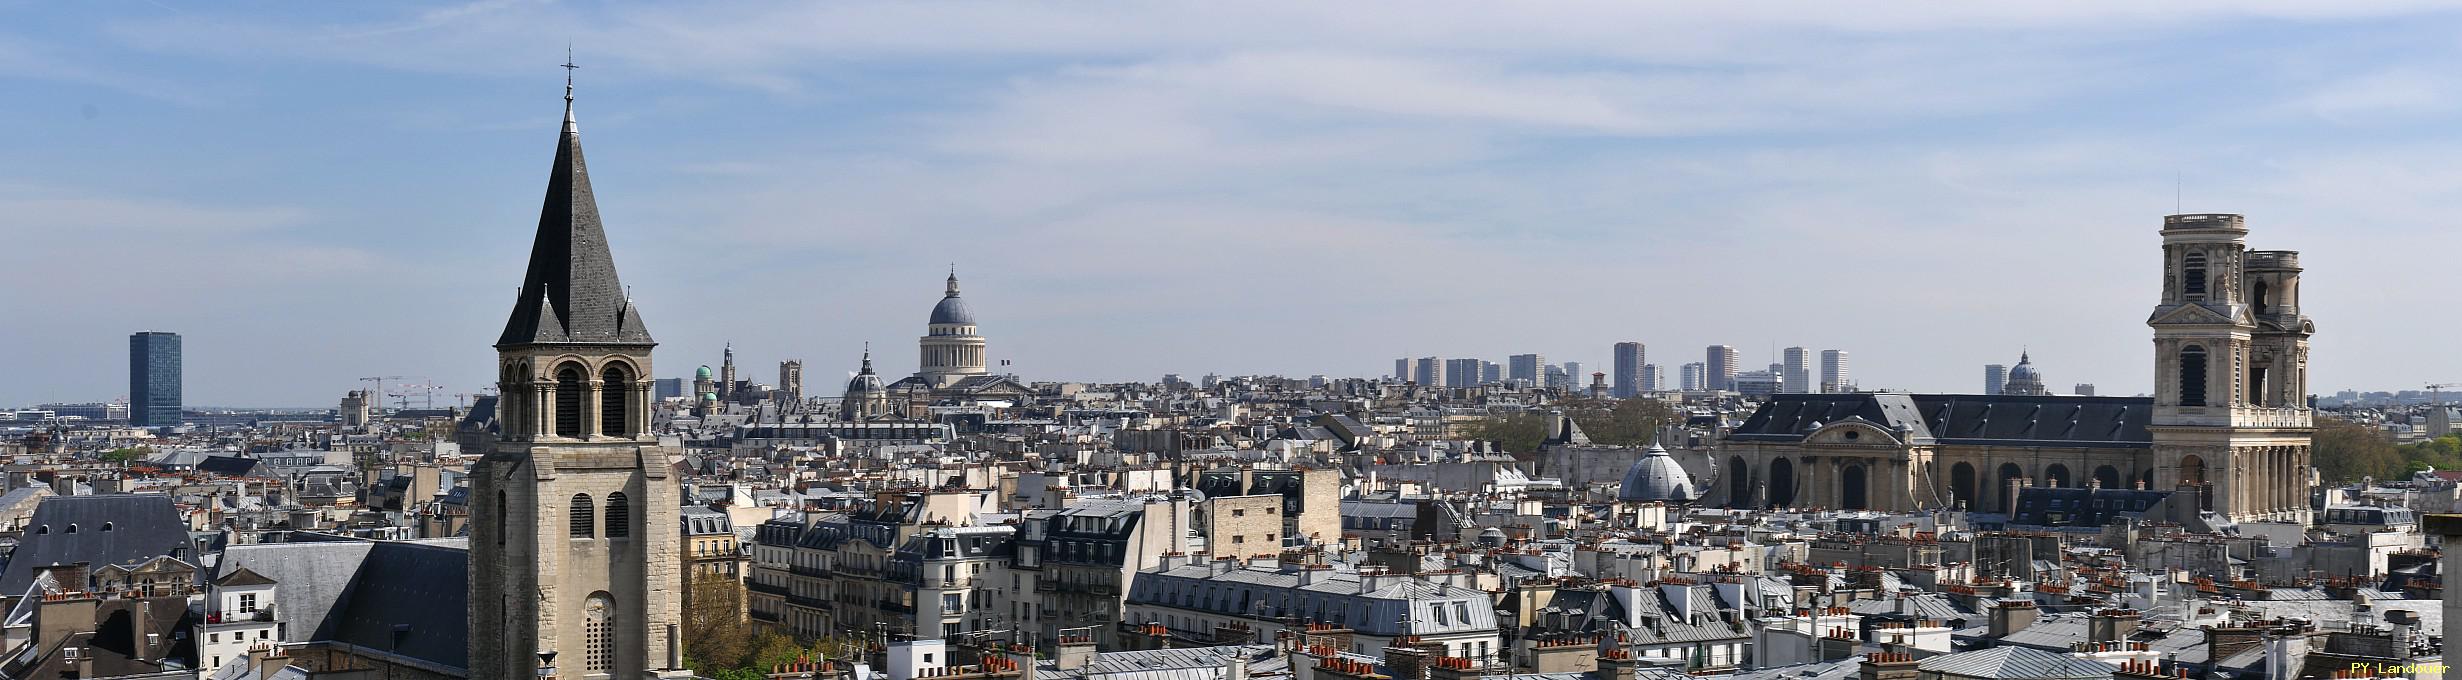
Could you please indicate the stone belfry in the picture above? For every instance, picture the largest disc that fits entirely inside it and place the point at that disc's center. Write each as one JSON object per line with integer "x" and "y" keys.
{"x": 2231, "y": 423}
{"x": 573, "y": 539}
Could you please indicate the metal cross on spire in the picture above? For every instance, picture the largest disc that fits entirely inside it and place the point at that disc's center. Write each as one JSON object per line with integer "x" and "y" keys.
{"x": 568, "y": 72}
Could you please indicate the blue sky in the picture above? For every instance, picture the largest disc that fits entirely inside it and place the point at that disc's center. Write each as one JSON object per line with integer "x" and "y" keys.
{"x": 313, "y": 192}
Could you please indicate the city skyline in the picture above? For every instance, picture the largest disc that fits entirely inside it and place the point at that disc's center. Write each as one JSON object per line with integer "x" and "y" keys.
{"x": 173, "y": 142}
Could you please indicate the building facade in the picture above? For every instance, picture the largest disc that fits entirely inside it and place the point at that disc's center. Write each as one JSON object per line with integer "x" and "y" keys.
{"x": 1834, "y": 371}
{"x": 1629, "y": 364}
{"x": 1719, "y": 369}
{"x": 2227, "y": 425}
{"x": 154, "y": 374}
{"x": 1795, "y": 370}
{"x": 1527, "y": 367}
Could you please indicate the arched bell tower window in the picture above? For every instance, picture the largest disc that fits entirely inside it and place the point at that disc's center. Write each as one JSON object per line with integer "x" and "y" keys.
{"x": 614, "y": 401}
{"x": 582, "y": 515}
{"x": 619, "y": 516}
{"x": 2193, "y": 277}
{"x": 2192, "y": 376}
{"x": 2264, "y": 296}
{"x": 569, "y": 387}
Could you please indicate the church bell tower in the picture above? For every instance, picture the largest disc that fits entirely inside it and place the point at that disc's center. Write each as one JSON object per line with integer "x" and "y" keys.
{"x": 573, "y": 533}
{"x": 2231, "y": 422}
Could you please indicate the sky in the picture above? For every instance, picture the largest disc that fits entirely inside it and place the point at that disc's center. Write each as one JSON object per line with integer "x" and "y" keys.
{"x": 311, "y": 193}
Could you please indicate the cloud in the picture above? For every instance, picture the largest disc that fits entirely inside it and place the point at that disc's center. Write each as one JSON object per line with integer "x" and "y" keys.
{"x": 1317, "y": 187}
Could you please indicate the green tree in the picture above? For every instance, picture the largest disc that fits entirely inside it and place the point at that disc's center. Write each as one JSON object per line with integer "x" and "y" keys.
{"x": 127, "y": 455}
{"x": 1519, "y": 433}
{"x": 2345, "y": 451}
{"x": 1614, "y": 422}
{"x": 717, "y": 636}
{"x": 1621, "y": 422}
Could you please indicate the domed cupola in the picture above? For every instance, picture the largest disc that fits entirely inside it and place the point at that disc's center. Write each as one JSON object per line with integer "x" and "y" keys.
{"x": 952, "y": 309}
{"x": 865, "y": 397}
{"x": 1656, "y": 477}
{"x": 865, "y": 380}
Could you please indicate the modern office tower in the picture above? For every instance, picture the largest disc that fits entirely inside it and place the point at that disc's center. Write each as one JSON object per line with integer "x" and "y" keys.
{"x": 1402, "y": 369}
{"x": 1652, "y": 380}
{"x": 2084, "y": 389}
{"x": 153, "y": 379}
{"x": 1556, "y": 378}
{"x": 1574, "y": 375}
{"x": 1695, "y": 376}
{"x": 1463, "y": 372}
{"x": 667, "y": 388}
{"x": 1429, "y": 371}
{"x": 1318, "y": 381}
{"x": 1834, "y": 371}
{"x": 1995, "y": 377}
{"x": 1719, "y": 369}
{"x": 1626, "y": 371}
{"x": 1795, "y": 370}
{"x": 1491, "y": 372}
{"x": 1530, "y": 367}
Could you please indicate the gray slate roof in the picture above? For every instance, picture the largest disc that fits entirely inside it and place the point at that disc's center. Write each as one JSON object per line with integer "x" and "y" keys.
{"x": 570, "y": 293}
{"x": 410, "y": 598}
{"x": 107, "y": 529}
{"x": 1999, "y": 419}
{"x": 2017, "y": 662}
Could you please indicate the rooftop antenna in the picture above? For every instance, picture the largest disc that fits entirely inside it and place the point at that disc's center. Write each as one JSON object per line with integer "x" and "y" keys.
{"x": 2176, "y": 191}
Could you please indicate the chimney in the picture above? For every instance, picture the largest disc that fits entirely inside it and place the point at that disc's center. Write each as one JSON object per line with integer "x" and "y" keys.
{"x": 2013, "y": 616}
{"x": 2111, "y": 625}
{"x": 1405, "y": 659}
{"x": 1564, "y": 655}
{"x": 2222, "y": 643}
{"x": 1075, "y": 651}
{"x": 1454, "y": 668}
{"x": 1835, "y": 646}
{"x": 1617, "y": 663}
{"x": 1889, "y": 666}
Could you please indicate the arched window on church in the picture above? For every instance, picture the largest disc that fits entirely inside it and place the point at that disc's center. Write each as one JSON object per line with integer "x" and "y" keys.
{"x": 614, "y": 401}
{"x": 619, "y": 516}
{"x": 2193, "y": 277}
{"x": 2265, "y": 296}
{"x": 2192, "y": 376}
{"x": 568, "y": 400}
{"x": 581, "y": 516}
{"x": 598, "y": 639}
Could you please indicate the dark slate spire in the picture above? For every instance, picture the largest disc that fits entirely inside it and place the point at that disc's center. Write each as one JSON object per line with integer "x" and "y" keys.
{"x": 571, "y": 294}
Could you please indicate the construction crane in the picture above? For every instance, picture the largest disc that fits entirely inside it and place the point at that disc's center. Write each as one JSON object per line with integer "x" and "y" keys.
{"x": 378, "y": 397}
{"x": 2436, "y": 394}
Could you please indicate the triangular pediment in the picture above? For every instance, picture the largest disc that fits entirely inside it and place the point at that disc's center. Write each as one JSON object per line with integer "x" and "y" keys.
{"x": 2191, "y": 315}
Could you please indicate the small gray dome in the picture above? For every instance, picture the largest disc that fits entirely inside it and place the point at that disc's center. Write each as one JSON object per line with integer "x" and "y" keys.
{"x": 2025, "y": 368}
{"x": 1656, "y": 477}
{"x": 863, "y": 383}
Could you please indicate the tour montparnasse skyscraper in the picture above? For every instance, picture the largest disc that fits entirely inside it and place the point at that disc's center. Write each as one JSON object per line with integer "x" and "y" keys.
{"x": 573, "y": 536}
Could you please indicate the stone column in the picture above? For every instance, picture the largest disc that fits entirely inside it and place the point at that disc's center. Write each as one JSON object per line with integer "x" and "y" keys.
{"x": 590, "y": 408}
{"x": 543, "y": 410}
